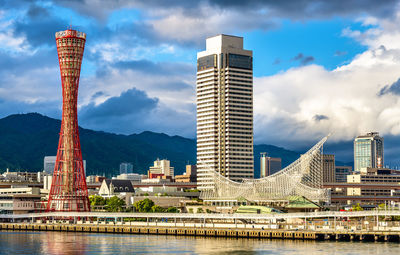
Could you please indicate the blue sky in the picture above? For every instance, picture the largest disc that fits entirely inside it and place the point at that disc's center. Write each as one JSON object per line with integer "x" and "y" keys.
{"x": 319, "y": 66}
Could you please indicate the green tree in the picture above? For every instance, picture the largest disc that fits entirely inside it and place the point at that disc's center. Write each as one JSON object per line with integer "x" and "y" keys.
{"x": 172, "y": 209}
{"x": 96, "y": 200}
{"x": 157, "y": 208}
{"x": 200, "y": 210}
{"x": 357, "y": 207}
{"x": 115, "y": 204}
{"x": 190, "y": 210}
{"x": 144, "y": 205}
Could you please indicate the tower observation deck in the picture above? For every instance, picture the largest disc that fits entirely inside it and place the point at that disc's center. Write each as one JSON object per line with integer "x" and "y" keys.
{"x": 68, "y": 189}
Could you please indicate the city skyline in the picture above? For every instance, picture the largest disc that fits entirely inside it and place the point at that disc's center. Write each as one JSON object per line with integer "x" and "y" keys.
{"x": 340, "y": 74}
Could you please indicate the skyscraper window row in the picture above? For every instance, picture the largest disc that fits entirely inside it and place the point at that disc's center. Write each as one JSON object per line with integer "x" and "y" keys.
{"x": 237, "y": 81}
{"x": 237, "y": 90}
{"x": 236, "y": 111}
{"x": 239, "y": 101}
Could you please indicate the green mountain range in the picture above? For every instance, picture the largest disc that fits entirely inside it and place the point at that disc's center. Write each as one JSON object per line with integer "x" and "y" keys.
{"x": 26, "y": 138}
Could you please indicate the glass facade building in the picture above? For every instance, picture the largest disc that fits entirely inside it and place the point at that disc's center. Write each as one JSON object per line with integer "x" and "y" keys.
{"x": 368, "y": 151}
{"x": 125, "y": 168}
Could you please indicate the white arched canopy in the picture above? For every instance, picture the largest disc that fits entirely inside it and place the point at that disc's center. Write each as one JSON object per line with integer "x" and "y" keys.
{"x": 301, "y": 178}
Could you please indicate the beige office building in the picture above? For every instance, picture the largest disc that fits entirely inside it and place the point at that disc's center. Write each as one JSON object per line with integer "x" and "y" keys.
{"x": 162, "y": 167}
{"x": 224, "y": 110}
{"x": 328, "y": 162}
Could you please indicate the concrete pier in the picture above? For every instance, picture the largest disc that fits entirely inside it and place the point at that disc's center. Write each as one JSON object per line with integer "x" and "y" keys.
{"x": 380, "y": 236}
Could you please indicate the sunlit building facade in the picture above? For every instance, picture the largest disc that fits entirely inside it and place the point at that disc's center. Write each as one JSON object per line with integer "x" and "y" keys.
{"x": 269, "y": 165}
{"x": 224, "y": 110}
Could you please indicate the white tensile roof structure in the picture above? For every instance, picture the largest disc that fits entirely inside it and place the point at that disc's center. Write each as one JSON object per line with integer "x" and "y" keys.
{"x": 301, "y": 178}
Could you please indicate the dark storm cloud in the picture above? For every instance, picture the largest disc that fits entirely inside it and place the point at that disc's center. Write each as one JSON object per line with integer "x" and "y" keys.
{"x": 342, "y": 150}
{"x": 98, "y": 94}
{"x": 133, "y": 111}
{"x": 133, "y": 101}
{"x": 35, "y": 11}
{"x": 39, "y": 26}
{"x": 394, "y": 89}
{"x": 303, "y": 60}
{"x": 319, "y": 117}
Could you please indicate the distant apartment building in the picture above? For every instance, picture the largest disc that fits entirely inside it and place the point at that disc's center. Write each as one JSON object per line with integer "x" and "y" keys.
{"x": 189, "y": 176}
{"x": 328, "y": 165}
{"x": 125, "y": 168}
{"x": 49, "y": 163}
{"x": 161, "y": 168}
{"x": 21, "y": 176}
{"x": 341, "y": 173}
{"x": 368, "y": 151}
{"x": 269, "y": 165}
{"x": 224, "y": 110}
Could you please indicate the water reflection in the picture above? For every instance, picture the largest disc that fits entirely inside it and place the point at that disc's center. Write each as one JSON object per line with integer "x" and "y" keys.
{"x": 56, "y": 243}
{"x": 86, "y": 243}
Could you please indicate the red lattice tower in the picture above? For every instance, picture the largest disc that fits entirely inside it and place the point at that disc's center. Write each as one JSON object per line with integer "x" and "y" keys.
{"x": 68, "y": 188}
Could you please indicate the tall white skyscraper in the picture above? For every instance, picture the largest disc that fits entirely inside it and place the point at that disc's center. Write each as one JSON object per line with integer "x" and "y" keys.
{"x": 224, "y": 110}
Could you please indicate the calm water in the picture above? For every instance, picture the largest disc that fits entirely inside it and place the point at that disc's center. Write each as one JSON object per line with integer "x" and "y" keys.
{"x": 84, "y": 243}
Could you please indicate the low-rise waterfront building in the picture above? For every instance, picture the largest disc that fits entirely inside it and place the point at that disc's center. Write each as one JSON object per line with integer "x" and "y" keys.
{"x": 19, "y": 200}
{"x": 372, "y": 186}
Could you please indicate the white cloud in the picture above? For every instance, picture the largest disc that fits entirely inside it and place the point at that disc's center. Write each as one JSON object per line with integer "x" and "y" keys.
{"x": 11, "y": 43}
{"x": 209, "y": 20}
{"x": 286, "y": 103}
